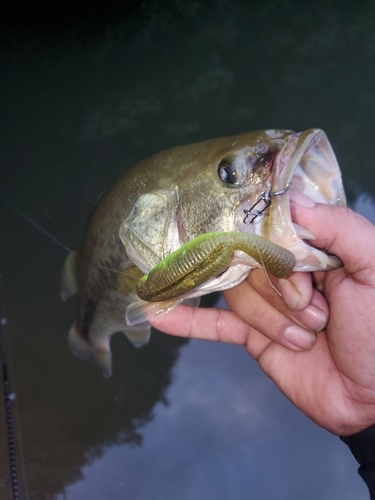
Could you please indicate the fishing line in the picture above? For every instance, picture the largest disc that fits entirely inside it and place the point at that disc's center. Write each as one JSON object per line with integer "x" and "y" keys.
{"x": 36, "y": 225}
{"x": 264, "y": 267}
{"x": 45, "y": 232}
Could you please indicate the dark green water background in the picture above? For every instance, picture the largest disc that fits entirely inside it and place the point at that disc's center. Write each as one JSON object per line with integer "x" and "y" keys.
{"x": 86, "y": 95}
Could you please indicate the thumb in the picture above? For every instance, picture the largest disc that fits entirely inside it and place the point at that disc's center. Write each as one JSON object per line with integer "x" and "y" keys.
{"x": 341, "y": 232}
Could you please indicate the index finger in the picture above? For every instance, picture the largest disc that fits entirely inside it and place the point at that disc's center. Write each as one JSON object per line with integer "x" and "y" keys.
{"x": 220, "y": 325}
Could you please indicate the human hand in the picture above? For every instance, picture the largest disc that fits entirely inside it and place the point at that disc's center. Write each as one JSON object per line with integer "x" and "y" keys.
{"x": 329, "y": 376}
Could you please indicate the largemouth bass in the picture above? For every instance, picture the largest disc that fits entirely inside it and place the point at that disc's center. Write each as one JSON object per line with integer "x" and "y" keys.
{"x": 190, "y": 221}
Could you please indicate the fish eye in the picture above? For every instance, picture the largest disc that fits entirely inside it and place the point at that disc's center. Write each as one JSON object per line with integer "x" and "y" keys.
{"x": 232, "y": 172}
{"x": 226, "y": 172}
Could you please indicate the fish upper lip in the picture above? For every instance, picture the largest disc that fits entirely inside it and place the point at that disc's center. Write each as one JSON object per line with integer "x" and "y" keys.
{"x": 288, "y": 159}
{"x": 308, "y": 157}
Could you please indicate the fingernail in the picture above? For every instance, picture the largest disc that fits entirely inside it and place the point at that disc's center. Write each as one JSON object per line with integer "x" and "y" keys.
{"x": 299, "y": 337}
{"x": 317, "y": 319}
{"x": 291, "y": 296}
{"x": 301, "y": 199}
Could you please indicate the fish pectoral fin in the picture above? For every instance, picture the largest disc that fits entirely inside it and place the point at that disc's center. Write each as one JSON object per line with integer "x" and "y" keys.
{"x": 69, "y": 284}
{"x": 139, "y": 335}
{"x": 100, "y": 353}
{"x": 192, "y": 301}
{"x": 141, "y": 311}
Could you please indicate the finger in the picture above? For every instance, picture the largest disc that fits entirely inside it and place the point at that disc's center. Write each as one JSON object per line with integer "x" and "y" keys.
{"x": 342, "y": 232}
{"x": 318, "y": 279}
{"x": 313, "y": 316}
{"x": 258, "y": 313}
{"x": 226, "y": 326}
{"x": 213, "y": 324}
{"x": 296, "y": 291}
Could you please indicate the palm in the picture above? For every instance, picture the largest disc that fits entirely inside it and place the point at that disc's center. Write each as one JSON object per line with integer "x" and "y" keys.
{"x": 334, "y": 382}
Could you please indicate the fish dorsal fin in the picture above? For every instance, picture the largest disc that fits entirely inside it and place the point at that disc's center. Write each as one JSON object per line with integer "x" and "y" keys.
{"x": 69, "y": 284}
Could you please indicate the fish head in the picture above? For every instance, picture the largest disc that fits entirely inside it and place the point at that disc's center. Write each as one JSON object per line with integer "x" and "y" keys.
{"x": 307, "y": 164}
{"x": 245, "y": 182}
{"x": 239, "y": 183}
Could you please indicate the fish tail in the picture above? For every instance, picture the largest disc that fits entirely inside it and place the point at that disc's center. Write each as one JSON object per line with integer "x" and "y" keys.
{"x": 100, "y": 353}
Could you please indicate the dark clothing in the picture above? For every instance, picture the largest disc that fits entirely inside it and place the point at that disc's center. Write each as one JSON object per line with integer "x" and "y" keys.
{"x": 362, "y": 445}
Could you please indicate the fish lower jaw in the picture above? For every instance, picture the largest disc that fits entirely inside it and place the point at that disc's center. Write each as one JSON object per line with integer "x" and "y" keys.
{"x": 310, "y": 259}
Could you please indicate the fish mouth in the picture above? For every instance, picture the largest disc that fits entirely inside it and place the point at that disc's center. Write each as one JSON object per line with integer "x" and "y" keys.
{"x": 308, "y": 164}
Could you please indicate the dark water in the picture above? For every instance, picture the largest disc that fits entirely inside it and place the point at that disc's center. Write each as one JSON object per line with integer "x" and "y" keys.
{"x": 86, "y": 95}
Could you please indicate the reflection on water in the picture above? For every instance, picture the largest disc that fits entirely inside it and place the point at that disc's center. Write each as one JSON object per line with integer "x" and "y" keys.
{"x": 365, "y": 206}
{"x": 70, "y": 415}
{"x": 81, "y": 104}
{"x": 227, "y": 433}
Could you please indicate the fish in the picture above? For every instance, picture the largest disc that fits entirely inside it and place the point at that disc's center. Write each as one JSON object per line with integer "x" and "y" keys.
{"x": 192, "y": 220}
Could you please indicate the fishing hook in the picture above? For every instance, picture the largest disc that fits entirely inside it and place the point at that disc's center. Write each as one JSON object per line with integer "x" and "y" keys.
{"x": 264, "y": 198}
